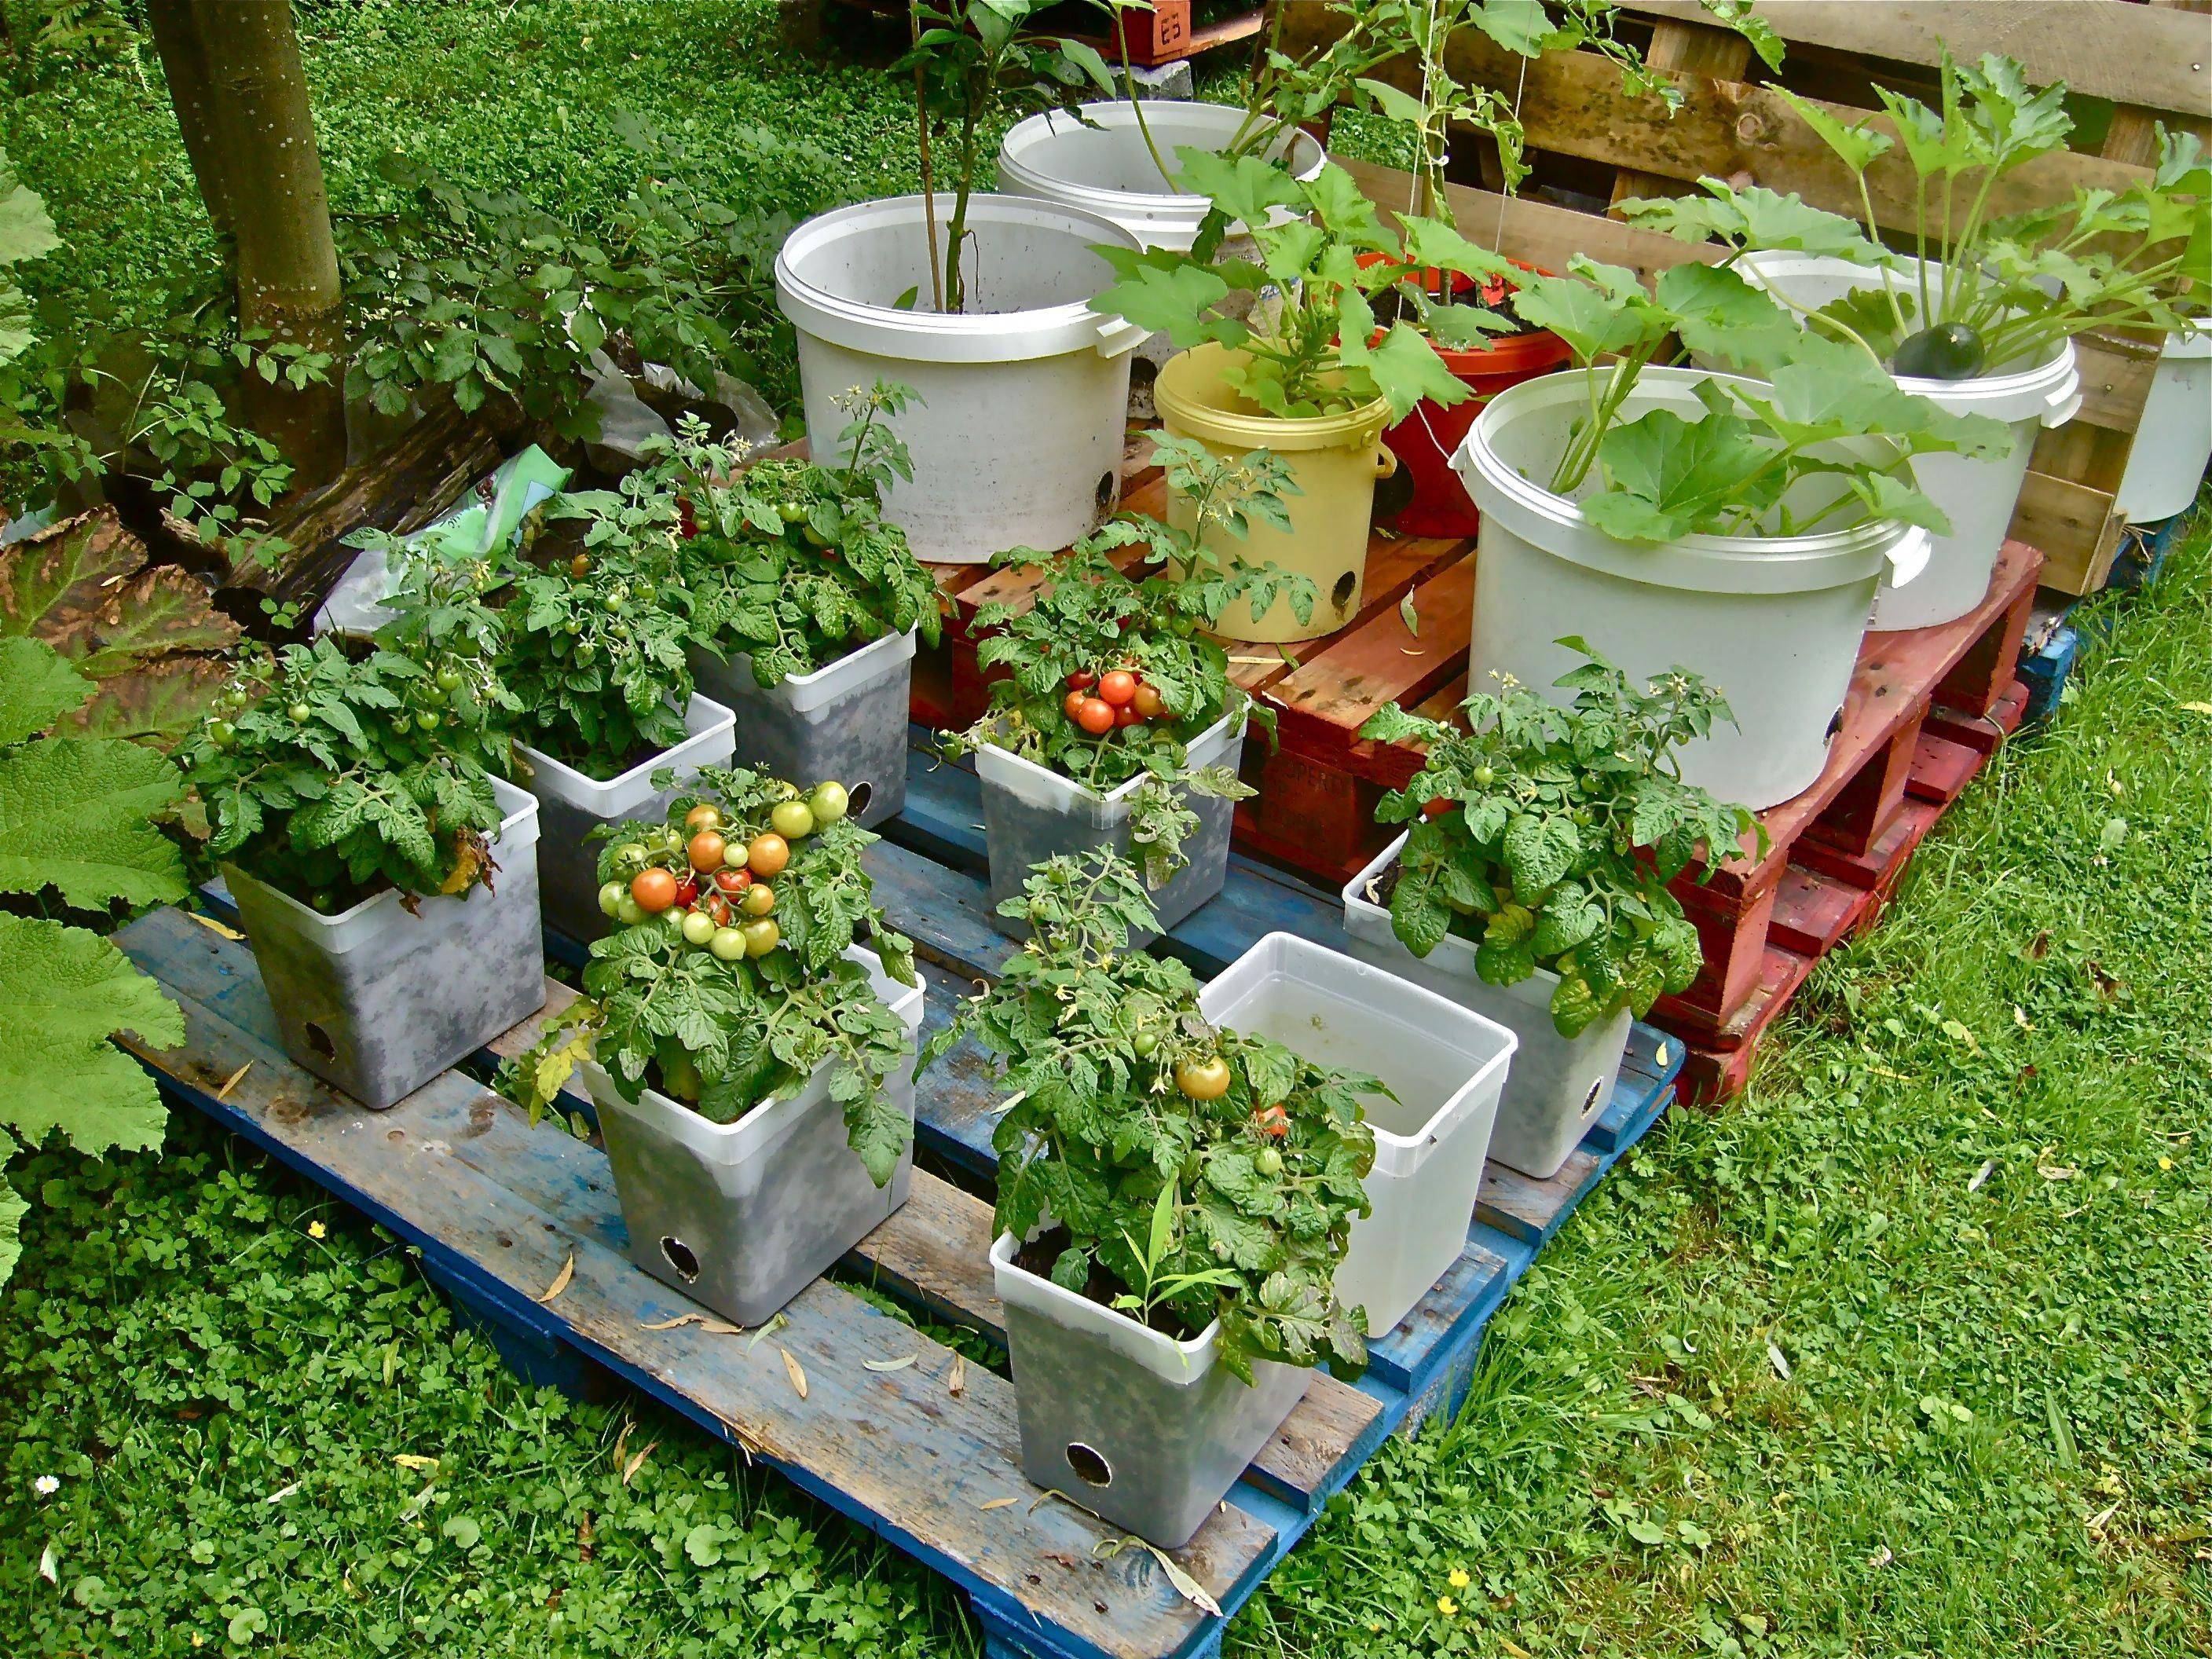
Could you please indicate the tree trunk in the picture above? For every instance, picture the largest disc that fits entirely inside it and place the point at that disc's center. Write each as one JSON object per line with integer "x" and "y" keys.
{"x": 234, "y": 66}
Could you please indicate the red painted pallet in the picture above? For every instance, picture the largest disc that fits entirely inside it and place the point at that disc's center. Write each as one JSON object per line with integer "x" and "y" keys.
{"x": 1926, "y": 710}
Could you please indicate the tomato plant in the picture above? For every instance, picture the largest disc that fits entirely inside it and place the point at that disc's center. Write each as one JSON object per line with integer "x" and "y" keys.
{"x": 1559, "y": 832}
{"x": 1158, "y": 1198}
{"x": 1117, "y": 629}
{"x": 721, "y": 1010}
{"x": 331, "y": 772}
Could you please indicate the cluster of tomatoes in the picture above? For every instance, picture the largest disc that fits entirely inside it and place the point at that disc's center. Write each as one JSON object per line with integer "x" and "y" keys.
{"x": 1207, "y": 1077}
{"x": 1120, "y": 697}
{"x": 719, "y": 889}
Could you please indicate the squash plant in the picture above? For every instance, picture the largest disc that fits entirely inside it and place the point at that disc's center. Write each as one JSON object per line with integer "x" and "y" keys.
{"x": 1110, "y": 673}
{"x": 1984, "y": 288}
{"x": 728, "y": 983}
{"x": 331, "y": 775}
{"x": 1548, "y": 835}
{"x": 790, "y": 564}
{"x": 1190, "y": 1173}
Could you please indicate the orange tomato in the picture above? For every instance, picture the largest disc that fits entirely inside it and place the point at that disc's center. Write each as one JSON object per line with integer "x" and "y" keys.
{"x": 1074, "y": 703}
{"x": 1096, "y": 716}
{"x": 654, "y": 889}
{"x": 706, "y": 850}
{"x": 1147, "y": 703}
{"x": 767, "y": 854}
{"x": 1117, "y": 687}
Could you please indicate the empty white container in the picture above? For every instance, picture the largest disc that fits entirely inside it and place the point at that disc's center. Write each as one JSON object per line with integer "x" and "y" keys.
{"x": 1018, "y": 439}
{"x": 2174, "y": 443}
{"x": 847, "y": 721}
{"x": 741, "y": 1217}
{"x": 1124, "y": 1420}
{"x": 378, "y": 1001}
{"x": 1978, "y": 497}
{"x": 1031, "y": 813}
{"x": 1559, "y": 1086}
{"x": 1445, "y": 1063}
{"x": 572, "y": 805}
{"x": 1774, "y": 622}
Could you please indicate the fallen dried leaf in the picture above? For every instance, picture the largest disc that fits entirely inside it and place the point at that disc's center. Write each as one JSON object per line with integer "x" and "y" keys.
{"x": 48, "y": 1565}
{"x": 282, "y": 1493}
{"x": 956, "y": 1380}
{"x": 671, "y": 1324}
{"x": 637, "y": 1461}
{"x": 1779, "y": 1360}
{"x": 2198, "y": 707}
{"x": 712, "y": 1326}
{"x": 768, "y": 1329}
{"x": 898, "y": 1364}
{"x": 1881, "y": 1558}
{"x": 1514, "y": 1648}
{"x": 1988, "y": 1168}
{"x": 415, "y": 1461}
{"x": 214, "y": 926}
{"x": 231, "y": 1082}
{"x": 998, "y": 1503}
{"x": 791, "y": 1369}
{"x": 2056, "y": 1172}
{"x": 560, "y": 1279}
{"x": 1186, "y": 1586}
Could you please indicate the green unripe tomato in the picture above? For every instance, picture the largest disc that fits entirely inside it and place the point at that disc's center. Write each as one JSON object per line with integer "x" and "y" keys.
{"x": 586, "y": 654}
{"x": 611, "y": 897}
{"x": 762, "y": 936}
{"x": 631, "y": 855}
{"x": 758, "y": 900}
{"x": 572, "y": 626}
{"x": 450, "y": 679}
{"x": 613, "y": 605}
{"x": 221, "y": 733}
{"x": 698, "y": 927}
{"x": 300, "y": 714}
{"x": 792, "y": 819}
{"x": 828, "y": 802}
{"x": 1484, "y": 775}
{"x": 427, "y": 721}
{"x": 629, "y": 912}
{"x": 1268, "y": 1160}
{"x": 727, "y": 944}
{"x": 431, "y": 697}
{"x": 618, "y": 631}
{"x": 1144, "y": 1042}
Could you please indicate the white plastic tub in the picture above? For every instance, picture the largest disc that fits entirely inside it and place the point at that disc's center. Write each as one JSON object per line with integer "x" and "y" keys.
{"x": 1559, "y": 1086}
{"x": 2174, "y": 443}
{"x": 847, "y": 721}
{"x": 573, "y": 805}
{"x": 741, "y": 1217}
{"x": 1095, "y": 158}
{"x": 1774, "y": 622}
{"x": 379, "y": 1001}
{"x": 1031, "y": 813}
{"x": 1018, "y": 439}
{"x": 1978, "y": 497}
{"x": 1445, "y": 1064}
{"x": 1124, "y": 1420}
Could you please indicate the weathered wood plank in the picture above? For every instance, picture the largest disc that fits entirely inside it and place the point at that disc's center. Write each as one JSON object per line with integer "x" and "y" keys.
{"x": 894, "y": 1449}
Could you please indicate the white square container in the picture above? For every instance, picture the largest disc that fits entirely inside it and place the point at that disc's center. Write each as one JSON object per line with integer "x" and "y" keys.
{"x": 1446, "y": 1064}
{"x": 742, "y": 1217}
{"x": 847, "y": 720}
{"x": 573, "y": 805}
{"x": 1559, "y": 1086}
{"x": 1124, "y": 1420}
{"x": 1031, "y": 813}
{"x": 378, "y": 1002}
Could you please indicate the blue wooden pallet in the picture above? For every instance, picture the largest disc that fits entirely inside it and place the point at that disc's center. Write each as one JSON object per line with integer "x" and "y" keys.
{"x": 494, "y": 1207}
{"x": 2048, "y": 656}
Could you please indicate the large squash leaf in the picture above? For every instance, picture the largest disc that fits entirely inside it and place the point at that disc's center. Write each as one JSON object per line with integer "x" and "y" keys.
{"x": 64, "y": 992}
{"x": 37, "y": 688}
{"x": 74, "y": 816}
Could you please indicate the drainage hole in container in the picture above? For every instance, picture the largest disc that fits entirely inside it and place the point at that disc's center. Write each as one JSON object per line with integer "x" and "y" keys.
{"x": 1089, "y": 1465}
{"x": 1340, "y": 595}
{"x": 678, "y": 1255}
{"x": 1590, "y": 1100}
{"x": 1109, "y": 486}
{"x": 858, "y": 796}
{"x": 1835, "y": 724}
{"x": 318, "y": 1043}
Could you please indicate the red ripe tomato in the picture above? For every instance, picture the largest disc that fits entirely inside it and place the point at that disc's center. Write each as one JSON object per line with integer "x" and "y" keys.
{"x": 1271, "y": 1121}
{"x": 1126, "y": 715}
{"x": 1082, "y": 680}
{"x": 706, "y": 850}
{"x": 733, "y": 881}
{"x": 1074, "y": 704}
{"x": 1117, "y": 687}
{"x": 1147, "y": 703}
{"x": 717, "y": 906}
{"x": 1095, "y": 716}
{"x": 687, "y": 891}
{"x": 654, "y": 889}
{"x": 686, "y": 526}
{"x": 1436, "y": 808}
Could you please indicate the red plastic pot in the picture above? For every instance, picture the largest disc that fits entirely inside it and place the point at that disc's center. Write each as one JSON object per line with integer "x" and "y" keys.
{"x": 1424, "y": 439}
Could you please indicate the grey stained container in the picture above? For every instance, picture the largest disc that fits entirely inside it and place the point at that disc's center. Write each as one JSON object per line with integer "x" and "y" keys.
{"x": 847, "y": 721}
{"x": 742, "y": 1217}
{"x": 1031, "y": 814}
{"x": 1557, "y": 1086}
{"x": 1144, "y": 1431}
{"x": 572, "y": 805}
{"x": 378, "y": 1001}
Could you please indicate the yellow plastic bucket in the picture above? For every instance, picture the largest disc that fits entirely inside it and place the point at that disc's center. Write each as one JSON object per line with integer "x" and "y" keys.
{"x": 1335, "y": 460}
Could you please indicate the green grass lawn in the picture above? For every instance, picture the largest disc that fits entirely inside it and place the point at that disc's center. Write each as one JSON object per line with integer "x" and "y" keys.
{"x": 1907, "y": 1352}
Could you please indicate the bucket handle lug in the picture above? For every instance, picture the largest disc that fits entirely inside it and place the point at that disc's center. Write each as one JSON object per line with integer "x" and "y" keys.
{"x": 1118, "y": 334}
{"x": 1908, "y": 556}
{"x": 2064, "y": 404}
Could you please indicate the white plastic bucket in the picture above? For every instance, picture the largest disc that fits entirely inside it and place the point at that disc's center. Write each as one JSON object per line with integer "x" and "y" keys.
{"x": 1096, "y": 159}
{"x": 1774, "y": 622}
{"x": 2173, "y": 444}
{"x": 1017, "y": 440}
{"x": 1558, "y": 1087}
{"x": 1445, "y": 1063}
{"x": 1978, "y": 497}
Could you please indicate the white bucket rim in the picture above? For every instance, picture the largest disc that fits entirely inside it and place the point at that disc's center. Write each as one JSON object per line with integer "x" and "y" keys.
{"x": 945, "y": 337}
{"x": 1019, "y": 156}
